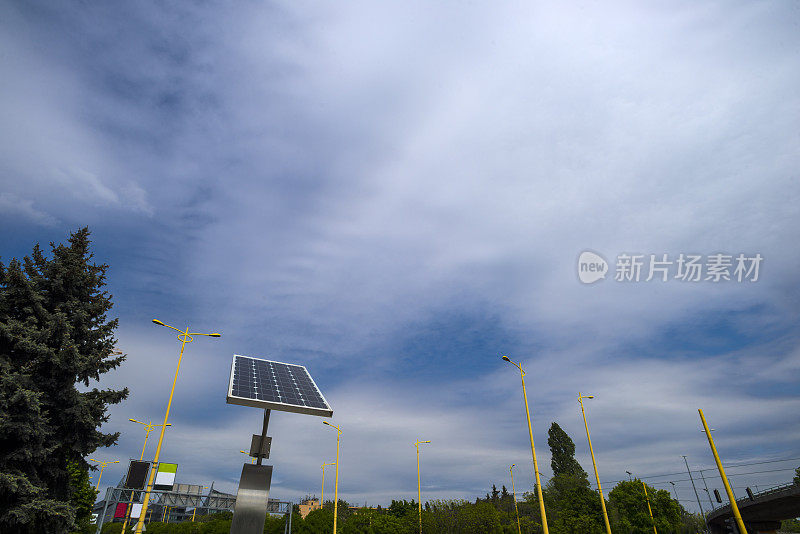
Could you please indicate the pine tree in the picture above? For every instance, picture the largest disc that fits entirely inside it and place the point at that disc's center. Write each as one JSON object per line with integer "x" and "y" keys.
{"x": 563, "y": 453}
{"x": 54, "y": 334}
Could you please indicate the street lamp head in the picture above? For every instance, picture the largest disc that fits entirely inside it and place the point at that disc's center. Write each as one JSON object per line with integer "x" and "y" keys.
{"x": 115, "y": 462}
{"x": 326, "y": 423}
{"x": 169, "y": 424}
{"x": 134, "y": 420}
{"x": 506, "y": 358}
{"x": 158, "y": 322}
{"x": 215, "y": 335}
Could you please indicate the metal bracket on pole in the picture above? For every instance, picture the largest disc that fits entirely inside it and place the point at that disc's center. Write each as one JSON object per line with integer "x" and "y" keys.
{"x": 252, "y": 497}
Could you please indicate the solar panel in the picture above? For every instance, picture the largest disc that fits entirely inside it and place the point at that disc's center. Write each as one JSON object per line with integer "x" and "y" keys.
{"x": 275, "y": 385}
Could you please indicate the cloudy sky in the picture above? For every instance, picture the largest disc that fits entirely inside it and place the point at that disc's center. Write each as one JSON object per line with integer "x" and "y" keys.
{"x": 394, "y": 194}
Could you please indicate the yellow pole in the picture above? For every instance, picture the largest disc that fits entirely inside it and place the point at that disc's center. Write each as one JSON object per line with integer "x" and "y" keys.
{"x": 322, "y": 496}
{"x": 514, "y": 493}
{"x": 728, "y": 489}
{"x": 591, "y": 451}
{"x": 184, "y": 337}
{"x": 649, "y": 509}
{"x": 148, "y": 427}
{"x": 533, "y": 449}
{"x": 103, "y": 465}
{"x": 336, "y": 484}
{"x": 419, "y": 486}
{"x": 195, "y": 508}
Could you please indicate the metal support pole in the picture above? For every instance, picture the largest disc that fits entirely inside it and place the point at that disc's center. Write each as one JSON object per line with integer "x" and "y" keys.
{"x": 695, "y": 492}
{"x": 101, "y": 519}
{"x": 263, "y": 435}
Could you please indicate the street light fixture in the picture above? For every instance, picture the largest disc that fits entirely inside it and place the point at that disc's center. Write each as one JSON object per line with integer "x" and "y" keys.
{"x": 533, "y": 449}
{"x": 148, "y": 426}
{"x": 594, "y": 464}
{"x": 336, "y": 485}
{"x": 184, "y": 337}
{"x": 419, "y": 486}
{"x": 103, "y": 465}
{"x": 514, "y": 493}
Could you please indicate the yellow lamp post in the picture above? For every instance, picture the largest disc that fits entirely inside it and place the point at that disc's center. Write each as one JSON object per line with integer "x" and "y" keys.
{"x": 103, "y": 465}
{"x": 737, "y": 516}
{"x": 252, "y": 460}
{"x": 533, "y": 449}
{"x": 148, "y": 427}
{"x": 514, "y": 493}
{"x": 184, "y": 338}
{"x": 648, "y": 508}
{"x": 419, "y": 485}
{"x": 591, "y": 451}
{"x": 336, "y": 484}
{"x": 322, "y": 497}
{"x": 195, "y": 508}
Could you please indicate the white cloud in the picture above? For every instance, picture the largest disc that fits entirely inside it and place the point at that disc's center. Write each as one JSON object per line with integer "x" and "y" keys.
{"x": 329, "y": 179}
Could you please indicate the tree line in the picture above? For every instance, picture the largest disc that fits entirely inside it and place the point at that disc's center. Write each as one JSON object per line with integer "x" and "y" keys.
{"x": 571, "y": 505}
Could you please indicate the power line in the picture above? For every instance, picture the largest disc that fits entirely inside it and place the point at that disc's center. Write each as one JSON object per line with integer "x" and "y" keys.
{"x": 712, "y": 469}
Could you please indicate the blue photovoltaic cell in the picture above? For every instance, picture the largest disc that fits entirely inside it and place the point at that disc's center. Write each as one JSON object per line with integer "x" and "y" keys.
{"x": 275, "y": 385}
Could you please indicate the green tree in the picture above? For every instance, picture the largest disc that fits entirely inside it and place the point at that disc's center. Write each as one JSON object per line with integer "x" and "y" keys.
{"x": 628, "y": 509}
{"x": 563, "y": 453}
{"x": 572, "y": 506}
{"x": 319, "y": 520}
{"x": 82, "y": 497}
{"x": 796, "y": 479}
{"x": 54, "y": 334}
{"x": 790, "y": 525}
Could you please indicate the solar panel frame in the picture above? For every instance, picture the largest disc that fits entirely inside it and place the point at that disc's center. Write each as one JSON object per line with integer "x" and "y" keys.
{"x": 273, "y": 405}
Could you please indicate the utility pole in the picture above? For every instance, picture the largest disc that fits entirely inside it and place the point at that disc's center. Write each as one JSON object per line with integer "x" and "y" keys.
{"x": 695, "y": 492}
